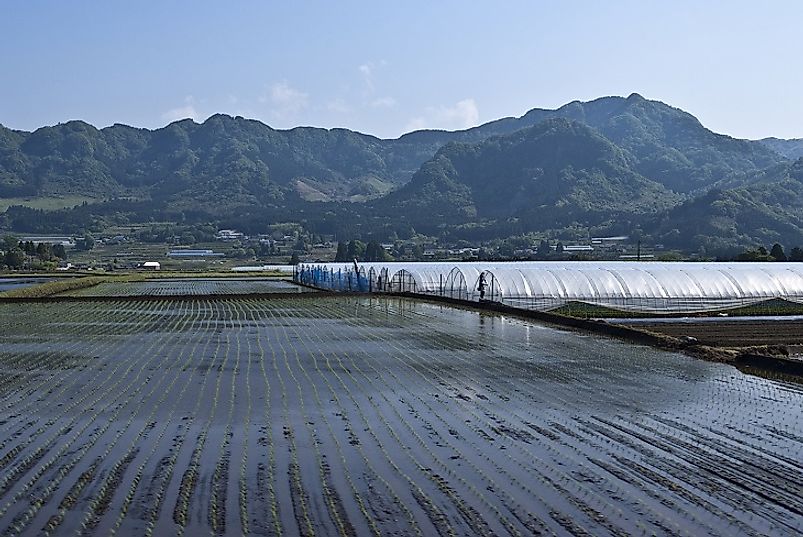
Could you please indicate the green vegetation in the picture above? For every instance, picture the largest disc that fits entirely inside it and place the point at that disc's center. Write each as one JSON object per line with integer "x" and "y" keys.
{"x": 19, "y": 255}
{"x": 56, "y": 287}
{"x": 609, "y": 166}
{"x": 45, "y": 203}
{"x": 356, "y": 249}
{"x": 792, "y": 149}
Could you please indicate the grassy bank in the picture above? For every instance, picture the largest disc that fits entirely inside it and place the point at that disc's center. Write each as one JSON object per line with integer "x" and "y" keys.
{"x": 62, "y": 286}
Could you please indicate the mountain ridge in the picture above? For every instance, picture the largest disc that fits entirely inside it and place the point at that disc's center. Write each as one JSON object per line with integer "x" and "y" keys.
{"x": 610, "y": 156}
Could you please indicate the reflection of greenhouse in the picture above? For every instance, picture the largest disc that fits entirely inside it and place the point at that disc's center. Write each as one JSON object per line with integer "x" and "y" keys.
{"x": 627, "y": 286}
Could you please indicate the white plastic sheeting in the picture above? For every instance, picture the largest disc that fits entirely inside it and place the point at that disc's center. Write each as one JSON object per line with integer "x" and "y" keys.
{"x": 633, "y": 286}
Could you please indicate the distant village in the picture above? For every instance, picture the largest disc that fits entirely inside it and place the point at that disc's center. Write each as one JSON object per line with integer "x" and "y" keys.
{"x": 173, "y": 247}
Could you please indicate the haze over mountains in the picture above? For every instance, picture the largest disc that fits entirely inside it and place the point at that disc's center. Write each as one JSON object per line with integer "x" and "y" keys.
{"x": 614, "y": 164}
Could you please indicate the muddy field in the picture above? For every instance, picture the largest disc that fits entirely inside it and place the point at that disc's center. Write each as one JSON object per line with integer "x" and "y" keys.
{"x": 734, "y": 333}
{"x": 376, "y": 416}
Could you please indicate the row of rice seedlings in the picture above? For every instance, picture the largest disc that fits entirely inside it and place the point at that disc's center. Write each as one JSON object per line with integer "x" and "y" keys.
{"x": 466, "y": 511}
{"x": 118, "y": 470}
{"x": 76, "y": 338}
{"x": 33, "y": 317}
{"x": 104, "y": 495}
{"x": 735, "y": 478}
{"x": 242, "y": 496}
{"x": 188, "y": 287}
{"x": 22, "y": 371}
{"x": 342, "y": 525}
{"x": 585, "y": 444}
{"x": 98, "y": 432}
{"x": 435, "y": 515}
{"x": 29, "y": 461}
{"x": 469, "y": 514}
{"x": 333, "y": 501}
{"x": 557, "y": 480}
{"x": 152, "y": 514}
{"x": 336, "y": 507}
{"x": 770, "y": 482}
{"x": 298, "y": 497}
{"x": 273, "y": 506}
{"x": 186, "y": 357}
{"x": 482, "y": 452}
{"x": 783, "y": 454}
{"x": 325, "y": 469}
{"x": 58, "y": 387}
{"x": 189, "y": 480}
{"x": 670, "y": 478}
{"x": 33, "y": 437}
{"x": 71, "y": 498}
{"x": 220, "y": 476}
{"x": 59, "y": 379}
{"x": 21, "y": 367}
{"x": 367, "y": 462}
{"x": 671, "y": 517}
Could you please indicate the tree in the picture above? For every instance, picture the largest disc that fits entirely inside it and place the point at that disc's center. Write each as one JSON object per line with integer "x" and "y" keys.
{"x": 375, "y": 252}
{"x": 796, "y": 254}
{"x": 355, "y": 250}
{"x": 342, "y": 252}
{"x": 559, "y": 248}
{"x": 544, "y": 249}
{"x": 777, "y": 252}
{"x": 187, "y": 238}
{"x": 9, "y": 243}
{"x": 86, "y": 243}
{"x": 759, "y": 254}
{"x": 294, "y": 260}
{"x": 14, "y": 258}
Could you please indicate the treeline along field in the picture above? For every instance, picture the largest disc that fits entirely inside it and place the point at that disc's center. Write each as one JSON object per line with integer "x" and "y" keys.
{"x": 376, "y": 416}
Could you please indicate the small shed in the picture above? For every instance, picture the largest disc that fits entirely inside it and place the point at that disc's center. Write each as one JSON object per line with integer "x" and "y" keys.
{"x": 151, "y": 265}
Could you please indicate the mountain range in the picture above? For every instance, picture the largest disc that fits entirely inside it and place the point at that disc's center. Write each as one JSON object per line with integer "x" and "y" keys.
{"x": 613, "y": 164}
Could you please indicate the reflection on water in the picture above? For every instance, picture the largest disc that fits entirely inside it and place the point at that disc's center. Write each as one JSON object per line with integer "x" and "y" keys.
{"x": 7, "y": 284}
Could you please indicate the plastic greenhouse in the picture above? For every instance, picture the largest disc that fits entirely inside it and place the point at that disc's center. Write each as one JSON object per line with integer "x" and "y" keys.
{"x": 650, "y": 287}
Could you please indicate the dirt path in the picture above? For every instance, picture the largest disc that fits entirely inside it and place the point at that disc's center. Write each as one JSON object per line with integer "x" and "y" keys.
{"x": 734, "y": 333}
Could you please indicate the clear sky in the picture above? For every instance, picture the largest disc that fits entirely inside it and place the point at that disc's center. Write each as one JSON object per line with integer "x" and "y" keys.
{"x": 385, "y": 67}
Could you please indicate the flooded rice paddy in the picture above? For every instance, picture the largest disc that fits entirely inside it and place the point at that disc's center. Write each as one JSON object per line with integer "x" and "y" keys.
{"x": 9, "y": 284}
{"x": 193, "y": 286}
{"x": 376, "y": 416}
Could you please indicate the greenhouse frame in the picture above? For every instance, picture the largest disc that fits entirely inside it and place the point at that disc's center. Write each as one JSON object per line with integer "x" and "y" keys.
{"x": 649, "y": 287}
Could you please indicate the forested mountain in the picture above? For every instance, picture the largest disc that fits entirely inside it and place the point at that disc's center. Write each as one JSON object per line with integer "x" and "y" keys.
{"x": 548, "y": 176}
{"x": 224, "y": 155}
{"x": 768, "y": 210}
{"x": 669, "y": 145}
{"x": 248, "y": 160}
{"x": 615, "y": 163}
{"x": 792, "y": 149}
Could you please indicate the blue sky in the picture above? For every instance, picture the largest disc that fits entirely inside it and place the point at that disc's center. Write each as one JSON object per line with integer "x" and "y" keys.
{"x": 385, "y": 68}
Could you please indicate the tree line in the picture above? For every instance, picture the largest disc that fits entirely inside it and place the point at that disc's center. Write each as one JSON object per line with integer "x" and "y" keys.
{"x": 28, "y": 254}
{"x": 356, "y": 249}
{"x": 776, "y": 253}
